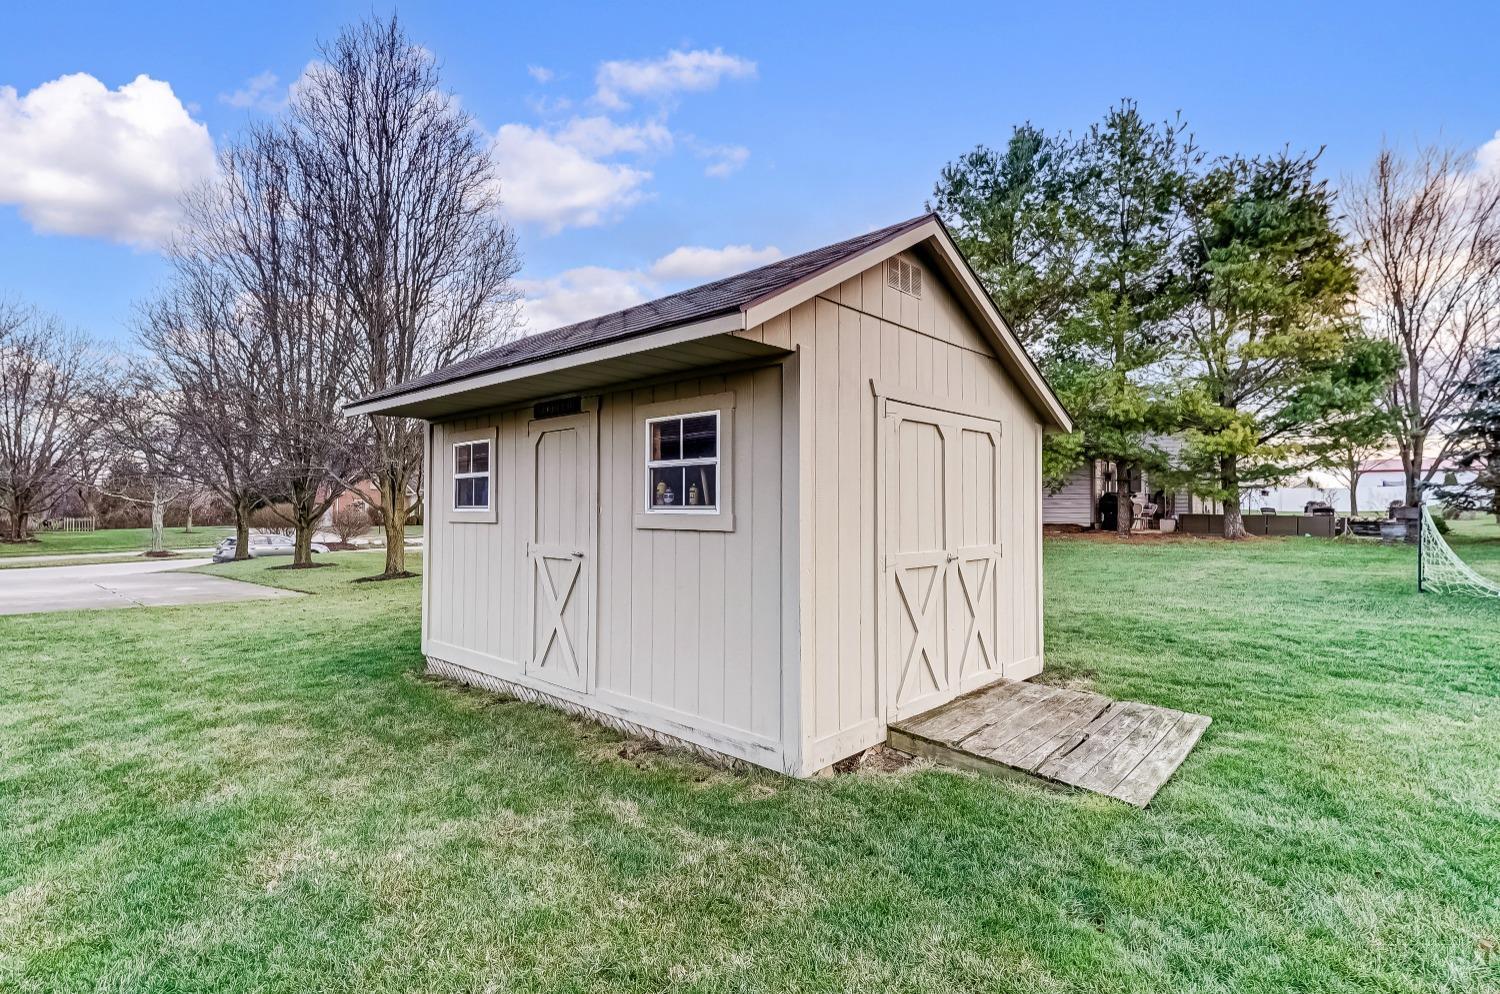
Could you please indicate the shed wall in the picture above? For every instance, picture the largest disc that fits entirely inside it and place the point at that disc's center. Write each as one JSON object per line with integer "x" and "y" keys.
{"x": 688, "y": 624}
{"x": 859, "y": 332}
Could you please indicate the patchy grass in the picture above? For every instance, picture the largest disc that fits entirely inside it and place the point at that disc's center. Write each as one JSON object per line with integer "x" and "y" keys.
{"x": 114, "y": 540}
{"x": 268, "y": 797}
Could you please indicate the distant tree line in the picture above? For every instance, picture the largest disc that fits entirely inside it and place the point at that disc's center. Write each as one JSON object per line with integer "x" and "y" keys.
{"x": 1238, "y": 302}
{"x": 350, "y": 244}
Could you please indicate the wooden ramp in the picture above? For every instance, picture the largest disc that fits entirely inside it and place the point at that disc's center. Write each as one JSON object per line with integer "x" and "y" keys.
{"x": 1117, "y": 748}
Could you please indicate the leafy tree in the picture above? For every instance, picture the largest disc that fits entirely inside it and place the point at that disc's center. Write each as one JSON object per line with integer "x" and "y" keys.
{"x": 1128, "y": 182}
{"x": 1076, "y": 241}
{"x": 1009, "y": 212}
{"x": 1476, "y": 438}
{"x": 1271, "y": 348}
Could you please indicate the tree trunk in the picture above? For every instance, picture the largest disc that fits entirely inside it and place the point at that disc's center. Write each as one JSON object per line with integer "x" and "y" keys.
{"x": 188, "y": 525}
{"x": 393, "y": 501}
{"x": 1123, "y": 508}
{"x": 1229, "y": 483}
{"x": 18, "y": 517}
{"x": 1414, "y": 468}
{"x": 302, "y": 542}
{"x": 1353, "y": 489}
{"x": 158, "y": 516}
{"x": 241, "y": 528}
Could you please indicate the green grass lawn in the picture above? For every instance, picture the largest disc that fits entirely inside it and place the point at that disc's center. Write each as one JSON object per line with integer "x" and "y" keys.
{"x": 114, "y": 540}
{"x": 269, "y": 797}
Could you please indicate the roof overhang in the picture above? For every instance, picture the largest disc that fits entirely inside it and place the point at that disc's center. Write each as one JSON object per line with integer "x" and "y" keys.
{"x": 677, "y": 349}
{"x": 714, "y": 341}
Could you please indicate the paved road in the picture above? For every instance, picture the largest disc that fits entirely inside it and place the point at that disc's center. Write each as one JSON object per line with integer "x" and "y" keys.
{"x": 63, "y": 558}
{"x": 116, "y": 585}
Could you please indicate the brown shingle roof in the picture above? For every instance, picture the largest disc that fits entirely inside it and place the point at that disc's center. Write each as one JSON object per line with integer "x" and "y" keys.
{"x": 709, "y": 300}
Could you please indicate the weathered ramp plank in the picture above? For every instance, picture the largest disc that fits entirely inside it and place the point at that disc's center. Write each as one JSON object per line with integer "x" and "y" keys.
{"x": 1122, "y": 749}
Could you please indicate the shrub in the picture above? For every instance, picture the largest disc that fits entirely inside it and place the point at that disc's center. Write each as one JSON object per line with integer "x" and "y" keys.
{"x": 349, "y": 523}
{"x": 266, "y": 520}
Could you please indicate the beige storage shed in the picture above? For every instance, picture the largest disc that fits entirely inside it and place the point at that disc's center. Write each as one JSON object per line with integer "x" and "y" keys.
{"x": 760, "y": 517}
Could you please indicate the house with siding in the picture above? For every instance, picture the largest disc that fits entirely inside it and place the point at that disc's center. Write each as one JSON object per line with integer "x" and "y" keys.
{"x": 759, "y": 518}
{"x": 1076, "y": 502}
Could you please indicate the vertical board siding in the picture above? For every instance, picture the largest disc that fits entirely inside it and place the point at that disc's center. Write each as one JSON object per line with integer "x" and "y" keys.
{"x": 688, "y": 623}
{"x": 865, "y": 330}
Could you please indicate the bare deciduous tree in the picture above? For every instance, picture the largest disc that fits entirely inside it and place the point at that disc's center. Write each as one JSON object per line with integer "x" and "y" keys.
{"x": 150, "y": 445}
{"x": 1428, "y": 233}
{"x": 202, "y": 342}
{"x": 44, "y": 379}
{"x": 406, "y": 199}
{"x": 258, "y": 227}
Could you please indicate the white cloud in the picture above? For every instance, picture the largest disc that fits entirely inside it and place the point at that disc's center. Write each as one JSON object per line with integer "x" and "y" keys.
{"x": 550, "y": 182}
{"x": 570, "y": 174}
{"x": 1487, "y": 157}
{"x": 559, "y": 178}
{"x": 600, "y": 136}
{"x": 260, "y": 92}
{"x": 676, "y": 72}
{"x": 81, "y": 159}
{"x": 694, "y": 262}
{"x": 724, "y": 159}
{"x": 576, "y": 294}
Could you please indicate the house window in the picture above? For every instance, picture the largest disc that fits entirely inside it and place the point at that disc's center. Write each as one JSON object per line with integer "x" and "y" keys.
{"x": 682, "y": 463}
{"x": 471, "y": 476}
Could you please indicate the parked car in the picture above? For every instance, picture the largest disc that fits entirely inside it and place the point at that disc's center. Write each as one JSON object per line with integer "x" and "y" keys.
{"x": 261, "y": 546}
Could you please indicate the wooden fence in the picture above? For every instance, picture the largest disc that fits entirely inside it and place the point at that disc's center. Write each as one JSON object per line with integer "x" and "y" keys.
{"x": 1315, "y": 525}
{"x": 71, "y": 524}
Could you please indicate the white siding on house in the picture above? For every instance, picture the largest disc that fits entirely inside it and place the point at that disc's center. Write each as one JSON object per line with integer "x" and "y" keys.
{"x": 1073, "y": 504}
{"x": 862, "y": 331}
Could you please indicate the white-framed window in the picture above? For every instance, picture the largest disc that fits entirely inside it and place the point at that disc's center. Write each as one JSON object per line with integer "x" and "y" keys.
{"x": 682, "y": 463}
{"x": 471, "y": 475}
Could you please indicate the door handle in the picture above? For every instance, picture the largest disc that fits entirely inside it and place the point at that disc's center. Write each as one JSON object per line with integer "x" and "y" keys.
{"x": 577, "y": 555}
{"x": 952, "y": 556}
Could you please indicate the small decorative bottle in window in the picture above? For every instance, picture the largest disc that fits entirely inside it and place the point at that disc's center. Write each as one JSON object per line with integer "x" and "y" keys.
{"x": 692, "y": 493}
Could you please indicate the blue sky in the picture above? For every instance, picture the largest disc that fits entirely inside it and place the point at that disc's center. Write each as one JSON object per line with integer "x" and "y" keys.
{"x": 649, "y": 146}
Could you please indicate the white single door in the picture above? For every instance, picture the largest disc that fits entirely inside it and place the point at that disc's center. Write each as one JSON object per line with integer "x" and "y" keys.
{"x": 561, "y": 550}
{"x": 940, "y": 532}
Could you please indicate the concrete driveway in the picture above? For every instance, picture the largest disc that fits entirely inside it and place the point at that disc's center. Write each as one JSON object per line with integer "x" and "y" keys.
{"x": 115, "y": 585}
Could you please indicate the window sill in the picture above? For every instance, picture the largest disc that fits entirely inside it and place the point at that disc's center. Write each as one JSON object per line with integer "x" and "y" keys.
{"x": 721, "y": 521}
{"x": 473, "y": 517}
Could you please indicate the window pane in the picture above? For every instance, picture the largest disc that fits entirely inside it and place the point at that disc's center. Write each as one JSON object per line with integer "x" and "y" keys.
{"x": 463, "y": 492}
{"x": 666, "y": 487}
{"x": 481, "y": 491}
{"x": 461, "y": 458}
{"x": 702, "y": 484}
{"x": 479, "y": 462}
{"x": 700, "y": 437}
{"x": 666, "y": 439}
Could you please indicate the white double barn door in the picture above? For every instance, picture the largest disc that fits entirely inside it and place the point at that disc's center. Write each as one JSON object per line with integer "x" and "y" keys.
{"x": 940, "y": 532}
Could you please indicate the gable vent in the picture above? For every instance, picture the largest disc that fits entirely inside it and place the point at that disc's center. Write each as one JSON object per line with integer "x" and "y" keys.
{"x": 902, "y": 275}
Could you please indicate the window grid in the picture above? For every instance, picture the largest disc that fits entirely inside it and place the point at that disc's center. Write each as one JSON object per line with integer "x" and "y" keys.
{"x": 471, "y": 476}
{"x": 696, "y": 493}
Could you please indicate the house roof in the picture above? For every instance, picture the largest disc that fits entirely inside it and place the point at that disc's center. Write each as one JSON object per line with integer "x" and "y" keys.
{"x": 753, "y": 295}
{"x": 1393, "y": 465}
